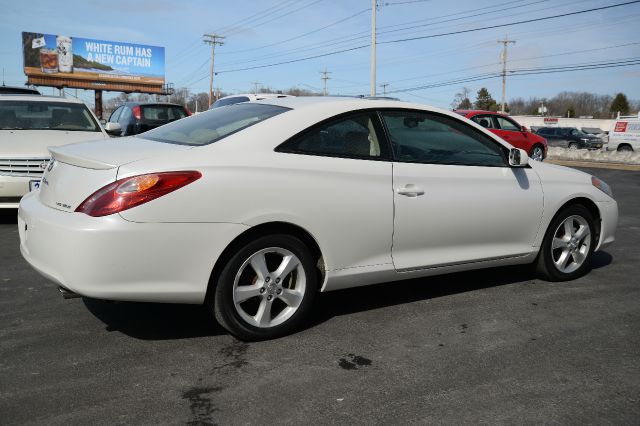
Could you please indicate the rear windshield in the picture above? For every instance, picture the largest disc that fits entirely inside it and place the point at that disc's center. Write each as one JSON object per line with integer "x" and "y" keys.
{"x": 213, "y": 125}
{"x": 39, "y": 115}
{"x": 229, "y": 101}
{"x": 162, "y": 112}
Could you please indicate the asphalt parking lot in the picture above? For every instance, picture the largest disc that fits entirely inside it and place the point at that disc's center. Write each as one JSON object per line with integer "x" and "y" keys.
{"x": 496, "y": 346}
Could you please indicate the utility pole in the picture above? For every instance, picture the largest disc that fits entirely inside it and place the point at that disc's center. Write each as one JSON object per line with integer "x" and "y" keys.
{"x": 255, "y": 87}
{"x": 212, "y": 40}
{"x": 325, "y": 77}
{"x": 503, "y": 56}
{"x": 384, "y": 88}
{"x": 374, "y": 7}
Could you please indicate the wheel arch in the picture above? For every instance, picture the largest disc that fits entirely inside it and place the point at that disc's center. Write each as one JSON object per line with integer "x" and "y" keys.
{"x": 267, "y": 228}
{"x": 590, "y": 205}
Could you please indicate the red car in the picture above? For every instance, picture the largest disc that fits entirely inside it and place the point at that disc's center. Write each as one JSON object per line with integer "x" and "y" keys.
{"x": 512, "y": 132}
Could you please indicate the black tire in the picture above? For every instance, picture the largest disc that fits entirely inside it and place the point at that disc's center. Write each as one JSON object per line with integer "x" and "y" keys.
{"x": 545, "y": 266}
{"x": 534, "y": 148}
{"x": 224, "y": 307}
{"x": 625, "y": 148}
{"x": 573, "y": 146}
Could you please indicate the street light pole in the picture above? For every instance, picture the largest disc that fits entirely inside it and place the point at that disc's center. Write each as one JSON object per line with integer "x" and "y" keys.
{"x": 374, "y": 6}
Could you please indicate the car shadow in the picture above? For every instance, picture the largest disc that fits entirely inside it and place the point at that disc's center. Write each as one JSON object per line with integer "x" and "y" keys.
{"x": 155, "y": 321}
{"x": 160, "y": 321}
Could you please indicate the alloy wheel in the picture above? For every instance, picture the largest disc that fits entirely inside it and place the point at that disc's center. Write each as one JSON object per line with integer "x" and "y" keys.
{"x": 269, "y": 287}
{"x": 571, "y": 243}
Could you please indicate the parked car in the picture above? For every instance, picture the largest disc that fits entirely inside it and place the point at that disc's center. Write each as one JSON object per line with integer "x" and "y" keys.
{"x": 625, "y": 134}
{"x": 570, "y": 137}
{"x": 133, "y": 118}
{"x": 28, "y": 125}
{"x": 253, "y": 208}
{"x": 246, "y": 97}
{"x": 509, "y": 130}
{"x": 17, "y": 90}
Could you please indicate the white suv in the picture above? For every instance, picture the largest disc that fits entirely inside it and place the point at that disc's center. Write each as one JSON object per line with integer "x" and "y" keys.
{"x": 246, "y": 97}
{"x": 28, "y": 126}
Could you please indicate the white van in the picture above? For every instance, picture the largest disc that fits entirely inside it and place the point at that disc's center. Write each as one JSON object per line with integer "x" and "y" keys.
{"x": 625, "y": 134}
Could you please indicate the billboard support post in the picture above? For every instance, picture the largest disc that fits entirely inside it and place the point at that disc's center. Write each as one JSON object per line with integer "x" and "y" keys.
{"x": 98, "y": 100}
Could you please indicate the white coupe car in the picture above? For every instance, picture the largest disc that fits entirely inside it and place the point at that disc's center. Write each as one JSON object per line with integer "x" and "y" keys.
{"x": 253, "y": 208}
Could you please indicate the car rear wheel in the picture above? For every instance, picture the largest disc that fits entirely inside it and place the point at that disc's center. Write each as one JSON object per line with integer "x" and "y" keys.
{"x": 537, "y": 153}
{"x": 266, "y": 288}
{"x": 567, "y": 245}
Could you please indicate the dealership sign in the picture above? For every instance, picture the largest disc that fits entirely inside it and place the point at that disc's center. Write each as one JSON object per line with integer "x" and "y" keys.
{"x": 75, "y": 59}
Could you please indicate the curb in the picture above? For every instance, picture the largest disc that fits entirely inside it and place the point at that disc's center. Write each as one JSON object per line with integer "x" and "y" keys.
{"x": 595, "y": 165}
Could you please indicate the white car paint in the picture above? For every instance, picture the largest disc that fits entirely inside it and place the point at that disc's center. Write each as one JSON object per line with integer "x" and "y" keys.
{"x": 19, "y": 146}
{"x": 165, "y": 250}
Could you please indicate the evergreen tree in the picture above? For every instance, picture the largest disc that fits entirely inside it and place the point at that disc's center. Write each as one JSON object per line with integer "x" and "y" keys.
{"x": 484, "y": 101}
{"x": 620, "y": 104}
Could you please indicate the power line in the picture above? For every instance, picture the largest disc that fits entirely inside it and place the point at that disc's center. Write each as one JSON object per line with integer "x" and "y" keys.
{"x": 526, "y": 21}
{"x": 356, "y": 36}
{"x": 430, "y": 36}
{"x": 266, "y": 12}
{"x": 301, "y": 35}
{"x": 253, "y": 25}
{"x": 526, "y": 71}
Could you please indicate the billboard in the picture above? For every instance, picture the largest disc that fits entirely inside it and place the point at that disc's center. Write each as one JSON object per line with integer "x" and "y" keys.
{"x": 59, "y": 57}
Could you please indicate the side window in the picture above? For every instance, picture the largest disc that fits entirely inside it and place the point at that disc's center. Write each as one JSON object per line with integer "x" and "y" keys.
{"x": 484, "y": 120}
{"x": 124, "y": 115}
{"x": 506, "y": 124}
{"x": 115, "y": 114}
{"x": 353, "y": 136}
{"x": 421, "y": 137}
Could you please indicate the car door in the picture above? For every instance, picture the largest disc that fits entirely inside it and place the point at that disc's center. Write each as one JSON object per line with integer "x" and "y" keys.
{"x": 455, "y": 198}
{"x": 511, "y": 132}
{"x": 342, "y": 176}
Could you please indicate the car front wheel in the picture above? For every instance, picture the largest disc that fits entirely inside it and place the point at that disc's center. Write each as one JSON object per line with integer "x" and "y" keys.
{"x": 537, "y": 153}
{"x": 567, "y": 245}
{"x": 266, "y": 288}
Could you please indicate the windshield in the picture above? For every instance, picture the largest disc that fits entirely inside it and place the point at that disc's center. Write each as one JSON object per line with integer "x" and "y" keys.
{"x": 213, "y": 125}
{"x": 42, "y": 115}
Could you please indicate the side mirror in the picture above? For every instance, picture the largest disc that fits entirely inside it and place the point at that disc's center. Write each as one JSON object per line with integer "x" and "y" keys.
{"x": 113, "y": 128}
{"x": 523, "y": 129}
{"x": 518, "y": 158}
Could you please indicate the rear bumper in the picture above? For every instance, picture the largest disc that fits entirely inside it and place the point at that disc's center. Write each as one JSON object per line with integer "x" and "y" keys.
{"x": 112, "y": 258}
{"x": 609, "y": 223}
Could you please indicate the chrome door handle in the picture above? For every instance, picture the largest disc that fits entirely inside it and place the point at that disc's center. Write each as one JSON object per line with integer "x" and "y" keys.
{"x": 410, "y": 190}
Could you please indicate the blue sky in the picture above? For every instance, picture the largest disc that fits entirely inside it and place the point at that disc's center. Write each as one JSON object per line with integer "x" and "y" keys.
{"x": 270, "y": 31}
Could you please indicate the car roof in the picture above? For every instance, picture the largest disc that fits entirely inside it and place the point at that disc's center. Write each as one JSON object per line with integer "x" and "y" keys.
{"x": 345, "y": 103}
{"x": 40, "y": 98}
{"x": 477, "y": 111}
{"x": 150, "y": 103}
{"x": 259, "y": 96}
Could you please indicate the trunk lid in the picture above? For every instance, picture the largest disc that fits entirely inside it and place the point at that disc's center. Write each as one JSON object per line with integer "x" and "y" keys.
{"x": 78, "y": 170}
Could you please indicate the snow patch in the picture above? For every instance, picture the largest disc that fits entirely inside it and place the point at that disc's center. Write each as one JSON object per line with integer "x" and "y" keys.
{"x": 599, "y": 156}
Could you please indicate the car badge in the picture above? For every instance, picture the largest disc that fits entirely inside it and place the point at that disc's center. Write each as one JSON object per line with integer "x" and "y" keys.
{"x": 51, "y": 164}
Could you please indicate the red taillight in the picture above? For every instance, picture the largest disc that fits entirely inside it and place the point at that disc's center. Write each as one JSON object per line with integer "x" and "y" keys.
{"x": 186, "y": 110}
{"x": 129, "y": 192}
{"x": 136, "y": 112}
